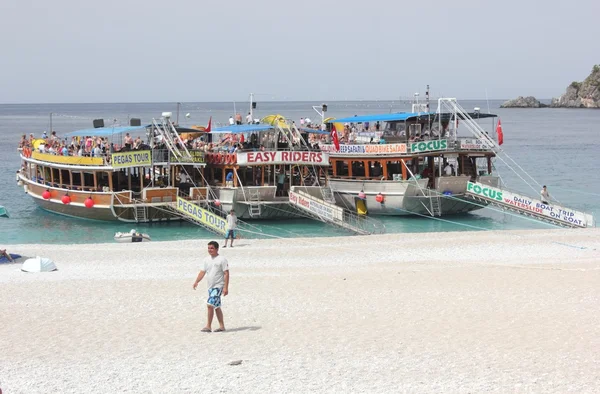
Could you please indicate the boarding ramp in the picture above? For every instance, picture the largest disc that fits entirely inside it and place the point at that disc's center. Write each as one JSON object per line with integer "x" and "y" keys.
{"x": 330, "y": 213}
{"x": 526, "y": 206}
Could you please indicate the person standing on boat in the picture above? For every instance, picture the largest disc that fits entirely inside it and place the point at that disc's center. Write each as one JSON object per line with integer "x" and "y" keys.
{"x": 216, "y": 270}
{"x": 231, "y": 121}
{"x": 545, "y": 196}
{"x": 249, "y": 118}
{"x": 231, "y": 226}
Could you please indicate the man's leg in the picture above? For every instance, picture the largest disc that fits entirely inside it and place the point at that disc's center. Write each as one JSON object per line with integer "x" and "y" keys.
{"x": 211, "y": 314}
{"x": 220, "y": 318}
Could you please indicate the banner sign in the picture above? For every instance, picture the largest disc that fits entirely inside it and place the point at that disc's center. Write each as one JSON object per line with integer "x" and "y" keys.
{"x": 201, "y": 215}
{"x": 283, "y": 157}
{"x": 325, "y": 211}
{"x": 141, "y": 158}
{"x": 470, "y": 143}
{"x": 428, "y": 146}
{"x": 534, "y": 206}
{"x": 369, "y": 149}
{"x": 196, "y": 156}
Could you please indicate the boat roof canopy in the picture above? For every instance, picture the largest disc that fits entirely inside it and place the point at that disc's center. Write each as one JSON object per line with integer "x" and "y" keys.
{"x": 104, "y": 131}
{"x": 312, "y": 131}
{"x": 403, "y": 116}
{"x": 242, "y": 128}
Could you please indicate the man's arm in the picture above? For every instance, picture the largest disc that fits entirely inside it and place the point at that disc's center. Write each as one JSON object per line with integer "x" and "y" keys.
{"x": 226, "y": 286}
{"x": 199, "y": 278}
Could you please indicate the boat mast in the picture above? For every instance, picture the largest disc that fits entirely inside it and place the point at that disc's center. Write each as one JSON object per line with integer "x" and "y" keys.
{"x": 252, "y": 105}
{"x": 50, "y": 123}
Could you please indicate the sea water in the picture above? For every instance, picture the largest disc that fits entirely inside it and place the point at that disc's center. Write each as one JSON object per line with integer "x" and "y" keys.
{"x": 556, "y": 147}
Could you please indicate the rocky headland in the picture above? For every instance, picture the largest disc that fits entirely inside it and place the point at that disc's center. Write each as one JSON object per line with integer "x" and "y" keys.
{"x": 523, "y": 102}
{"x": 584, "y": 94}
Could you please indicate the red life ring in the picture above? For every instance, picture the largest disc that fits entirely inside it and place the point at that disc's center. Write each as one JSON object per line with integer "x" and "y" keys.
{"x": 233, "y": 158}
{"x": 219, "y": 158}
{"x": 380, "y": 198}
{"x": 208, "y": 158}
{"x": 26, "y": 152}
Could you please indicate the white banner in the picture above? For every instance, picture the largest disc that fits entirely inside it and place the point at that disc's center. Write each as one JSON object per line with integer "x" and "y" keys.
{"x": 369, "y": 149}
{"x": 471, "y": 143}
{"x": 535, "y": 206}
{"x": 283, "y": 157}
{"x": 326, "y": 211}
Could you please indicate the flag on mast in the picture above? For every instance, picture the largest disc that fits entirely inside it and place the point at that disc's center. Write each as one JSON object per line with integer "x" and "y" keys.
{"x": 334, "y": 137}
{"x": 207, "y": 129}
{"x": 500, "y": 133}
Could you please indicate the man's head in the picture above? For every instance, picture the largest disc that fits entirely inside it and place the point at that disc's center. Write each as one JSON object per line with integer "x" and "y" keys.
{"x": 213, "y": 248}
{"x": 232, "y": 212}
{"x": 544, "y": 187}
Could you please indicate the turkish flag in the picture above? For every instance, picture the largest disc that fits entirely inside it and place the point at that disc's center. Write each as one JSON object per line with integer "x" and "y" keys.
{"x": 500, "y": 133}
{"x": 207, "y": 129}
{"x": 334, "y": 137}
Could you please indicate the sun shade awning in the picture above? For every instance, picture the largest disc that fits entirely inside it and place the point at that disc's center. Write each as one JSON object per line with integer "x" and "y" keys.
{"x": 104, "y": 131}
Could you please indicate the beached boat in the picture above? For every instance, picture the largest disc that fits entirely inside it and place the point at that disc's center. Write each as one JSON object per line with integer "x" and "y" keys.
{"x": 261, "y": 164}
{"x": 92, "y": 179}
{"x": 430, "y": 164}
{"x": 131, "y": 236}
{"x": 405, "y": 163}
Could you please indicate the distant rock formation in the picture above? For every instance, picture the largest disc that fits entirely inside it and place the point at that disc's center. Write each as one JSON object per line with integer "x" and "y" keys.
{"x": 584, "y": 94}
{"x": 523, "y": 102}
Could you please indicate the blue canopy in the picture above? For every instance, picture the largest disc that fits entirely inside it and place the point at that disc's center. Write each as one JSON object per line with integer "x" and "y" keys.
{"x": 312, "y": 131}
{"x": 242, "y": 128}
{"x": 382, "y": 118}
{"x": 104, "y": 131}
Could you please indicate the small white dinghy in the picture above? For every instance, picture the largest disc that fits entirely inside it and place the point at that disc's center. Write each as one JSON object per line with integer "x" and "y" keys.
{"x": 132, "y": 236}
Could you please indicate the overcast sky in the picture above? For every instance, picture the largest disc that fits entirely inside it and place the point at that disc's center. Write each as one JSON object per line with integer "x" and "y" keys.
{"x": 70, "y": 51}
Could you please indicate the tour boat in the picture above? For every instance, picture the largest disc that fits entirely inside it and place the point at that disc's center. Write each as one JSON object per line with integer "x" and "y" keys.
{"x": 138, "y": 184}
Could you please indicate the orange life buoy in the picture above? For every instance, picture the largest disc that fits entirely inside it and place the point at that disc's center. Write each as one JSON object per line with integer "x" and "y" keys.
{"x": 220, "y": 158}
{"x": 229, "y": 158}
{"x": 208, "y": 158}
{"x": 26, "y": 152}
{"x": 233, "y": 158}
{"x": 380, "y": 198}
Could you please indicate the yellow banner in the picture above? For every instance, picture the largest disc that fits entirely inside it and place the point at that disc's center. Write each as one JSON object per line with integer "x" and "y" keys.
{"x": 201, "y": 215}
{"x": 138, "y": 158}
{"x": 74, "y": 160}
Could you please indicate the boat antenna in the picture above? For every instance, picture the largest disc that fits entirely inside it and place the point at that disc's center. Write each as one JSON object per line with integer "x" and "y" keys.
{"x": 50, "y": 131}
{"x": 427, "y": 107}
{"x": 488, "y": 101}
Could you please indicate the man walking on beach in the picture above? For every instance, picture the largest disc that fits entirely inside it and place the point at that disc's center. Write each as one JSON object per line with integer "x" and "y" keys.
{"x": 231, "y": 226}
{"x": 216, "y": 269}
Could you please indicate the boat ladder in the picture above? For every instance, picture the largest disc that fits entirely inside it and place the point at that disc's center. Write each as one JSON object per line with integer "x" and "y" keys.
{"x": 140, "y": 213}
{"x": 435, "y": 203}
{"x": 254, "y": 209}
{"x": 327, "y": 194}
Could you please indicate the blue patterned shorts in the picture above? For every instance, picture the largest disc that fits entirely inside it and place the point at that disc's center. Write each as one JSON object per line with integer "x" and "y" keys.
{"x": 214, "y": 297}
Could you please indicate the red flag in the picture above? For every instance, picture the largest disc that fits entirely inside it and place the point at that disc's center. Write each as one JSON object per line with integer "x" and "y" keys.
{"x": 334, "y": 137}
{"x": 242, "y": 139}
{"x": 499, "y": 132}
{"x": 207, "y": 129}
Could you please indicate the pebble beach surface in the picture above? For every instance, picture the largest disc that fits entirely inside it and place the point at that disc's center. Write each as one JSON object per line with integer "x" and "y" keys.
{"x": 494, "y": 311}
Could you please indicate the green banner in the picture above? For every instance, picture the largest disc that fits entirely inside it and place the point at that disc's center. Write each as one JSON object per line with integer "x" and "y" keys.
{"x": 428, "y": 146}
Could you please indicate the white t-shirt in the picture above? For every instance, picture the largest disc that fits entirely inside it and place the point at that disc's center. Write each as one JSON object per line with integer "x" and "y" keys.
{"x": 215, "y": 271}
{"x": 231, "y": 121}
{"x": 448, "y": 169}
{"x": 231, "y": 222}
{"x": 183, "y": 178}
{"x": 249, "y": 119}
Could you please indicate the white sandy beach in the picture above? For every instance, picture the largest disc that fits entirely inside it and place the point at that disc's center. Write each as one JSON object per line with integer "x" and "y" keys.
{"x": 509, "y": 311}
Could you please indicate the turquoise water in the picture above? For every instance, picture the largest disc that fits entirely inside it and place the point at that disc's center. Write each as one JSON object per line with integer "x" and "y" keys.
{"x": 557, "y": 147}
